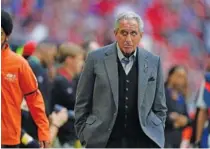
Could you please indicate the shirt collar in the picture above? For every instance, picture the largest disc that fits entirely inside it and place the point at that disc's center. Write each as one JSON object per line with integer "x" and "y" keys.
{"x": 121, "y": 56}
{"x": 5, "y": 52}
{"x": 61, "y": 71}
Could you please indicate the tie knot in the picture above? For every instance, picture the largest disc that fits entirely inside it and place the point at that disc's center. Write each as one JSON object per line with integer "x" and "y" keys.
{"x": 125, "y": 60}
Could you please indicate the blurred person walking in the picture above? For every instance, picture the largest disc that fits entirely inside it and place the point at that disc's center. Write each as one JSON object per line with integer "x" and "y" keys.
{"x": 18, "y": 82}
{"x": 177, "y": 117}
{"x": 203, "y": 105}
{"x": 120, "y": 100}
{"x": 71, "y": 57}
{"x": 39, "y": 60}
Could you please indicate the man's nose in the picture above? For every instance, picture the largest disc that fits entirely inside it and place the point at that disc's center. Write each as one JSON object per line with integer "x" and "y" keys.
{"x": 128, "y": 38}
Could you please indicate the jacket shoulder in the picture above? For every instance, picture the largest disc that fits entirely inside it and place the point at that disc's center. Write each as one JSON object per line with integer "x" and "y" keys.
{"x": 151, "y": 56}
{"x": 18, "y": 59}
{"x": 99, "y": 53}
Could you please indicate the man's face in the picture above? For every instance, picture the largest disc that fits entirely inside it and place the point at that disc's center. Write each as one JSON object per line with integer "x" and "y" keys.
{"x": 128, "y": 35}
{"x": 48, "y": 57}
{"x": 179, "y": 80}
{"x": 51, "y": 55}
{"x": 3, "y": 38}
{"x": 75, "y": 63}
{"x": 79, "y": 62}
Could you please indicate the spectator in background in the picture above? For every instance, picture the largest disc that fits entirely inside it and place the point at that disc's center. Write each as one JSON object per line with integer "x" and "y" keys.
{"x": 71, "y": 57}
{"x": 28, "y": 49}
{"x": 18, "y": 81}
{"x": 177, "y": 117}
{"x": 88, "y": 46}
{"x": 39, "y": 61}
{"x": 203, "y": 104}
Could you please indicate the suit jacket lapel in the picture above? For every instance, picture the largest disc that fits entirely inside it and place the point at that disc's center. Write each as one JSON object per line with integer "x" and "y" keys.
{"x": 143, "y": 74}
{"x": 112, "y": 71}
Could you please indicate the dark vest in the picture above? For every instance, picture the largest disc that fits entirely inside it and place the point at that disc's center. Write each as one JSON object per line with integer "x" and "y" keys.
{"x": 127, "y": 122}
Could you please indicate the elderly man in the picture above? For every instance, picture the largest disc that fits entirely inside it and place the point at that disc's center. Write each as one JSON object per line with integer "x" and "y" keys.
{"x": 120, "y": 98}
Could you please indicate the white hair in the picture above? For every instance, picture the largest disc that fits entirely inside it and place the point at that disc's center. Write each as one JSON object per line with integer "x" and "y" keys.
{"x": 127, "y": 16}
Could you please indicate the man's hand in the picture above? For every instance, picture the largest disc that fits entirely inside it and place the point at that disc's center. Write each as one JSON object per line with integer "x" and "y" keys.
{"x": 60, "y": 118}
{"x": 181, "y": 121}
{"x": 44, "y": 144}
{"x": 173, "y": 115}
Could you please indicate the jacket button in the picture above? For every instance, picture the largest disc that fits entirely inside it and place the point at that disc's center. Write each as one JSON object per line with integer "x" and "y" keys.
{"x": 109, "y": 129}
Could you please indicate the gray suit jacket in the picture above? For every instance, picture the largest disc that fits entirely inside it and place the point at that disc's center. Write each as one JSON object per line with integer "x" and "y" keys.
{"x": 97, "y": 97}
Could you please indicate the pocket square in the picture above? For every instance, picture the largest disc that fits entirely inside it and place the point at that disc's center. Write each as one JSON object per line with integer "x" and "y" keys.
{"x": 151, "y": 79}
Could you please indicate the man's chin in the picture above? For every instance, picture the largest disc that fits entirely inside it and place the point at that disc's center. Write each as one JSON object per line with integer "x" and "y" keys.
{"x": 128, "y": 50}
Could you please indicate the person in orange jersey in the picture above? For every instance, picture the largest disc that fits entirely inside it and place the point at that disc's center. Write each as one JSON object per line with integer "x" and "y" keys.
{"x": 17, "y": 83}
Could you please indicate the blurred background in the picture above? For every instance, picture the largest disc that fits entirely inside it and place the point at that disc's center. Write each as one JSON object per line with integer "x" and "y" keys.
{"x": 177, "y": 30}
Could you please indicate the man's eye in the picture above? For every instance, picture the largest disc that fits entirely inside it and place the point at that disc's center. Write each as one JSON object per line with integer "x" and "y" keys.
{"x": 124, "y": 33}
{"x": 133, "y": 33}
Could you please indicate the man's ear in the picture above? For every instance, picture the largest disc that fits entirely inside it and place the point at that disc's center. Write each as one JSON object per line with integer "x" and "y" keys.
{"x": 115, "y": 32}
{"x": 7, "y": 38}
{"x": 141, "y": 34}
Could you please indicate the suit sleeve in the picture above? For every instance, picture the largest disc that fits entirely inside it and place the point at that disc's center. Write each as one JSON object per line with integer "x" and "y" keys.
{"x": 84, "y": 95}
{"x": 34, "y": 99}
{"x": 159, "y": 105}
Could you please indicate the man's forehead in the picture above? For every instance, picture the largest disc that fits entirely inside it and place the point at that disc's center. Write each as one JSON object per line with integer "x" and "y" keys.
{"x": 130, "y": 23}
